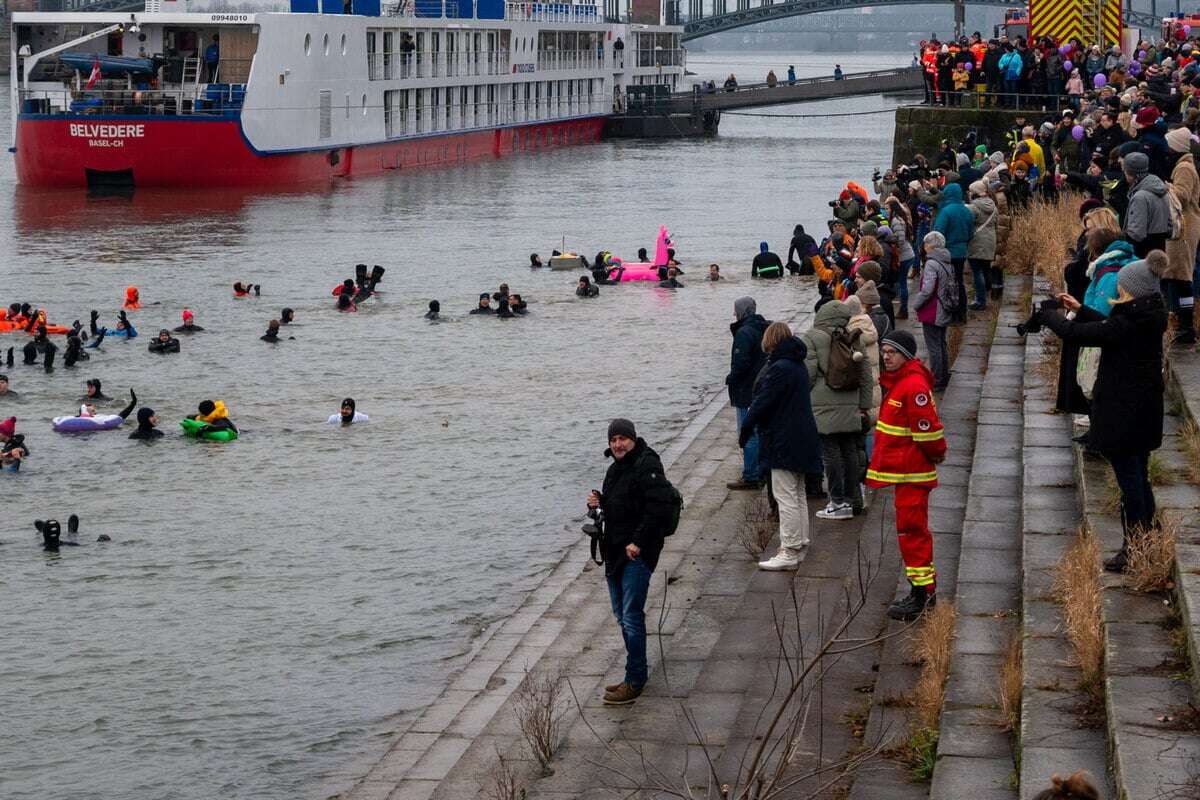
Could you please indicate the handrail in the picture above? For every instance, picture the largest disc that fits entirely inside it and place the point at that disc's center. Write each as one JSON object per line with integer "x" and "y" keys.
{"x": 784, "y": 82}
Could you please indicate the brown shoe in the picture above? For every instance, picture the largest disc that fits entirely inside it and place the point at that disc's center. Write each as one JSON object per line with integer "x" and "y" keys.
{"x": 612, "y": 687}
{"x": 741, "y": 485}
{"x": 623, "y": 695}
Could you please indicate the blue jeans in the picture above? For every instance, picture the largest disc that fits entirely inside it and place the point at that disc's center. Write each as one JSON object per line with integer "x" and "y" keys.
{"x": 979, "y": 272}
{"x": 751, "y": 471}
{"x": 905, "y": 268}
{"x": 627, "y": 590}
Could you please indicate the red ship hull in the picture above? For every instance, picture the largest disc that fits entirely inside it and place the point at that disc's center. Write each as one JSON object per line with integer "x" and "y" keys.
{"x": 82, "y": 151}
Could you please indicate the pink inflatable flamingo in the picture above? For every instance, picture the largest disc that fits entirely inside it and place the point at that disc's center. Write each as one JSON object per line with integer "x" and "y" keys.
{"x": 649, "y": 272}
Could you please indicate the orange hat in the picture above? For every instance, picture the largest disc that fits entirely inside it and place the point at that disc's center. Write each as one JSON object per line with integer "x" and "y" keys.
{"x": 131, "y": 297}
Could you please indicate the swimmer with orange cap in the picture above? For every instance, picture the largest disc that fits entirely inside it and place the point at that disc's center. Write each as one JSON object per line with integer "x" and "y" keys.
{"x": 133, "y": 300}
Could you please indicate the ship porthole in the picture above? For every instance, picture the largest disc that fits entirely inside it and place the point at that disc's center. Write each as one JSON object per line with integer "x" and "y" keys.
{"x": 364, "y": 104}
{"x": 307, "y": 43}
{"x": 325, "y": 44}
{"x": 343, "y": 44}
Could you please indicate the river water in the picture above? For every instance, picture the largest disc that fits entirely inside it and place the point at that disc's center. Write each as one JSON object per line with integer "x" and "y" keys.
{"x": 270, "y": 611}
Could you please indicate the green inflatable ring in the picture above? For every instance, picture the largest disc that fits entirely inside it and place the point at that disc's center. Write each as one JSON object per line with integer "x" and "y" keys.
{"x": 196, "y": 429}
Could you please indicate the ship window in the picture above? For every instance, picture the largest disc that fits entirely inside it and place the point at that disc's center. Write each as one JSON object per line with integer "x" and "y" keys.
{"x": 325, "y": 44}
{"x": 307, "y": 43}
{"x": 343, "y": 44}
{"x": 364, "y": 104}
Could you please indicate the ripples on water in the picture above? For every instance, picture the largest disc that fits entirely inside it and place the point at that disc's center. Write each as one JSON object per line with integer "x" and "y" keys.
{"x": 268, "y": 608}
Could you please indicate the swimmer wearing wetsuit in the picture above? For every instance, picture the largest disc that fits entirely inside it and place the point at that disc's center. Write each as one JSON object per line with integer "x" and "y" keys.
{"x": 435, "y": 310}
{"x": 188, "y": 326}
{"x": 272, "y": 334}
{"x": 485, "y": 304}
{"x": 535, "y": 260}
{"x": 287, "y": 316}
{"x": 94, "y": 391}
{"x": 586, "y": 288}
{"x": 124, "y": 328}
{"x": 75, "y": 352}
{"x": 165, "y": 343}
{"x": 12, "y": 452}
{"x": 518, "y": 305}
{"x": 348, "y": 415}
{"x": 147, "y": 425}
{"x": 345, "y": 303}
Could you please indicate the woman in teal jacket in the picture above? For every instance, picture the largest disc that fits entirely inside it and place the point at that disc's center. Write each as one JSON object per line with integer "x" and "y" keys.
{"x": 957, "y": 224}
{"x": 1103, "y": 275}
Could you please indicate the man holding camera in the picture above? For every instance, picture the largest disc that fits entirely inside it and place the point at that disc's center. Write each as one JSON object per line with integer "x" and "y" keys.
{"x": 636, "y": 503}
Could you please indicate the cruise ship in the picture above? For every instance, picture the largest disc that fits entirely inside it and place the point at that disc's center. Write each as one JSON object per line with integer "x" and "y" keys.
{"x": 278, "y": 93}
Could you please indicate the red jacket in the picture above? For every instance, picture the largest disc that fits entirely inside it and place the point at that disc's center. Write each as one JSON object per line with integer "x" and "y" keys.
{"x": 909, "y": 438}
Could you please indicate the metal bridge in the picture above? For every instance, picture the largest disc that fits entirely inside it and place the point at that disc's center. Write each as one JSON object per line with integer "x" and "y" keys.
{"x": 699, "y": 25}
{"x": 826, "y": 87}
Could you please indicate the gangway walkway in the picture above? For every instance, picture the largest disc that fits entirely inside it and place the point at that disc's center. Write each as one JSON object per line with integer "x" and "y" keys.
{"x": 801, "y": 90}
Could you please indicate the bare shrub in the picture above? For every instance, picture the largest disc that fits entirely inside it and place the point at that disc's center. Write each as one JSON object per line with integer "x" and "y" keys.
{"x": 1009, "y": 698}
{"x": 1048, "y": 361}
{"x": 757, "y": 528}
{"x": 502, "y": 782}
{"x": 931, "y": 644}
{"x": 1077, "y": 589}
{"x": 540, "y": 705}
{"x": 1151, "y": 557}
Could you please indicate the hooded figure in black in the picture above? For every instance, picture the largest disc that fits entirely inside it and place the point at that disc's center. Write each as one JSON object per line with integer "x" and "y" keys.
{"x": 272, "y": 334}
{"x": 164, "y": 343}
{"x": 504, "y": 311}
{"x": 75, "y": 350}
{"x": 485, "y": 304}
{"x": 95, "y": 392}
{"x": 586, "y": 288}
{"x": 802, "y": 248}
{"x": 435, "y": 310}
{"x": 286, "y": 316}
{"x": 147, "y": 421}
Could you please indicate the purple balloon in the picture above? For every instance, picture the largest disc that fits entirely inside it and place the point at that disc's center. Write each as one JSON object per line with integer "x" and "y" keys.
{"x": 1099, "y": 80}
{"x": 1068, "y": 66}
{"x": 1141, "y": 54}
{"x": 1134, "y": 68}
{"x": 1064, "y": 49}
{"x": 1077, "y": 133}
{"x": 1187, "y": 29}
{"x": 968, "y": 66}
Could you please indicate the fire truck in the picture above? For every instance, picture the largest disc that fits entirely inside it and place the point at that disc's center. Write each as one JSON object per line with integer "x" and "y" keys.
{"x": 1177, "y": 27}
{"x": 1089, "y": 21}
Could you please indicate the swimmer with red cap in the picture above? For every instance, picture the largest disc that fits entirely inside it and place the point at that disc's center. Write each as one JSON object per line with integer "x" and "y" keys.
{"x": 189, "y": 325}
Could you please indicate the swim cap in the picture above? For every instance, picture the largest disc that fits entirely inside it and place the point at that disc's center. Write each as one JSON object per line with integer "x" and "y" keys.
{"x": 144, "y": 415}
{"x": 434, "y": 305}
{"x": 187, "y": 315}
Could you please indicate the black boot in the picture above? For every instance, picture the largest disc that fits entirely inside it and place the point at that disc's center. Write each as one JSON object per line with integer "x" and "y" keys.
{"x": 1185, "y": 332}
{"x": 1118, "y": 562}
{"x": 913, "y": 605}
{"x": 360, "y": 275}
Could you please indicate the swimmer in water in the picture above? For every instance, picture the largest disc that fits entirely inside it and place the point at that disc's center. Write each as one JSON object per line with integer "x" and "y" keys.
{"x": 6, "y": 392}
{"x": 216, "y": 415}
{"x": 287, "y": 316}
{"x": 642, "y": 257}
{"x": 242, "y": 289}
{"x": 671, "y": 281}
{"x": 517, "y": 305}
{"x": 435, "y": 309}
{"x": 165, "y": 343}
{"x": 94, "y": 392}
{"x": 349, "y": 415}
{"x": 485, "y": 304}
{"x": 7, "y": 428}
{"x": 124, "y": 328}
{"x": 714, "y": 272}
{"x": 12, "y": 452}
{"x": 345, "y": 303}
{"x": 133, "y": 300}
{"x": 503, "y": 311}
{"x": 502, "y": 294}
{"x": 51, "y": 532}
{"x": 189, "y": 325}
{"x": 147, "y": 427}
{"x": 272, "y": 334}
{"x": 586, "y": 288}
{"x": 88, "y": 410}
{"x": 535, "y": 260}
{"x": 75, "y": 351}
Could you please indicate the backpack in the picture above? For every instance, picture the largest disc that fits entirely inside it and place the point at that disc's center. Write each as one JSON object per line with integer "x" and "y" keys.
{"x": 844, "y": 357}
{"x": 672, "y": 523}
{"x": 947, "y": 293}
{"x": 1175, "y": 215}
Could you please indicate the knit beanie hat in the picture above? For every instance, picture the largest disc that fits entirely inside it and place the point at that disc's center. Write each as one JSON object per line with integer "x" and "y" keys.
{"x": 870, "y": 271}
{"x": 867, "y": 293}
{"x": 1157, "y": 261}
{"x": 978, "y": 188}
{"x": 1145, "y": 117}
{"x": 742, "y": 307}
{"x": 8, "y": 427}
{"x": 902, "y": 341}
{"x": 961, "y": 160}
{"x": 868, "y": 228}
{"x": 1137, "y": 279}
{"x": 1179, "y": 140}
{"x": 621, "y": 427}
{"x": 853, "y": 305}
{"x": 1137, "y": 164}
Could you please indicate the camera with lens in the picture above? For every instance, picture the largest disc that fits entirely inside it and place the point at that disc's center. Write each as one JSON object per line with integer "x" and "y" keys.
{"x": 595, "y": 531}
{"x": 833, "y": 203}
{"x": 1034, "y": 323}
{"x": 876, "y": 176}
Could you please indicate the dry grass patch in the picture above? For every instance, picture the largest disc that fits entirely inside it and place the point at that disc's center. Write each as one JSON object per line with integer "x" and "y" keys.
{"x": 1041, "y": 237}
{"x": 540, "y": 705}
{"x": 1047, "y": 363}
{"x": 501, "y": 782}
{"x": 1189, "y": 438}
{"x": 1077, "y": 589}
{"x": 1151, "y": 557}
{"x": 1009, "y": 698}
{"x": 931, "y": 645}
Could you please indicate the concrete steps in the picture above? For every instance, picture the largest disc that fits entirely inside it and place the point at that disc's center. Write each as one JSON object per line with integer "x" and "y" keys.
{"x": 1052, "y": 740}
{"x": 888, "y": 718}
{"x": 974, "y": 755}
{"x": 1154, "y": 752}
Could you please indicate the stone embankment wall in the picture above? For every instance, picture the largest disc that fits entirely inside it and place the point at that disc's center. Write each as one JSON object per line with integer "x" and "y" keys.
{"x": 920, "y": 129}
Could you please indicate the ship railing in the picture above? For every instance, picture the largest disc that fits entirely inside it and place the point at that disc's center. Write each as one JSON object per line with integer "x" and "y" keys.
{"x": 552, "y": 12}
{"x": 208, "y": 100}
{"x": 568, "y": 59}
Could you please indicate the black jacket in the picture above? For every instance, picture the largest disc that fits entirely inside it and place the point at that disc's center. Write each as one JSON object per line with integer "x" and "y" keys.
{"x": 169, "y": 346}
{"x": 782, "y": 412}
{"x": 746, "y": 359}
{"x": 1127, "y": 399}
{"x": 637, "y": 502}
{"x": 1105, "y": 140}
{"x": 766, "y": 265}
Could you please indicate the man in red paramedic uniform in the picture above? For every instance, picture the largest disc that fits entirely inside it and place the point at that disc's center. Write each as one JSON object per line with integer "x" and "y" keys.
{"x": 909, "y": 443}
